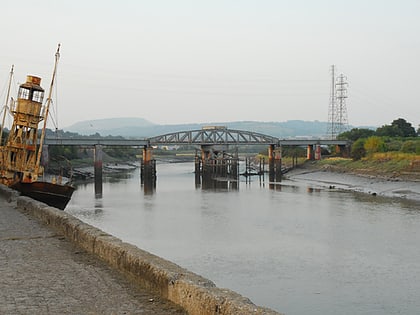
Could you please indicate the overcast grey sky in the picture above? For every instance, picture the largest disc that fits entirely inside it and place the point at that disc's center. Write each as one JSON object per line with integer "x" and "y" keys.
{"x": 184, "y": 61}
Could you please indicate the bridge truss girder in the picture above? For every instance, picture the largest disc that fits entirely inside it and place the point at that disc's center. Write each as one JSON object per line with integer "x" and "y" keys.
{"x": 213, "y": 136}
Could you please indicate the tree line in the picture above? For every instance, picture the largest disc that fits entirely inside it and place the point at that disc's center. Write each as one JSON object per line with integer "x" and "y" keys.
{"x": 400, "y": 136}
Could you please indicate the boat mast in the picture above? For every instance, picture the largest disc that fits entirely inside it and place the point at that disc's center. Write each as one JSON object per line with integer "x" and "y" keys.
{"x": 47, "y": 110}
{"x": 5, "y": 105}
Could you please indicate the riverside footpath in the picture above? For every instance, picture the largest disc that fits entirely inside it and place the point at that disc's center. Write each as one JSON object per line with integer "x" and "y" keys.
{"x": 44, "y": 273}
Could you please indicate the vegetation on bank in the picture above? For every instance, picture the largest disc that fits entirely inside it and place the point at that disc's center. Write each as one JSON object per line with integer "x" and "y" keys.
{"x": 388, "y": 164}
{"x": 390, "y": 151}
{"x": 399, "y": 136}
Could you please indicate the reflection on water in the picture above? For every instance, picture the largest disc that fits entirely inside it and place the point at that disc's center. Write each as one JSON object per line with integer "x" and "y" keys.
{"x": 294, "y": 247}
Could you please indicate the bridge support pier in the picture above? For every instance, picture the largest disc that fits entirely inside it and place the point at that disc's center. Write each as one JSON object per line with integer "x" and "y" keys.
{"x": 310, "y": 152}
{"x": 313, "y": 152}
{"x": 274, "y": 163}
{"x": 98, "y": 169}
{"x": 317, "y": 152}
{"x": 148, "y": 170}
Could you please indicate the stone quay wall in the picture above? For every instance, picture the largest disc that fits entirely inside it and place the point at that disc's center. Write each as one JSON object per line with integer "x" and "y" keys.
{"x": 197, "y": 295}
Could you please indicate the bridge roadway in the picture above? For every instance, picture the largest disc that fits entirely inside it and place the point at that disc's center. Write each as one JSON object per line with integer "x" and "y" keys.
{"x": 197, "y": 137}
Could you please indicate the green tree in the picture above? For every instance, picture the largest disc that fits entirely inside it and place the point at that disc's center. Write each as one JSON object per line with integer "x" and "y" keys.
{"x": 355, "y": 134}
{"x": 358, "y": 149}
{"x": 398, "y": 128}
{"x": 388, "y": 131}
{"x": 406, "y": 128}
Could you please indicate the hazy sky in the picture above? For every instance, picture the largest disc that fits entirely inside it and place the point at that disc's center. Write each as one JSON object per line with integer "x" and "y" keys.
{"x": 185, "y": 61}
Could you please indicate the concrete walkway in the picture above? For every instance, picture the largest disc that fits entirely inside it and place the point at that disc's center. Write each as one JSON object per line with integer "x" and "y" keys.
{"x": 43, "y": 273}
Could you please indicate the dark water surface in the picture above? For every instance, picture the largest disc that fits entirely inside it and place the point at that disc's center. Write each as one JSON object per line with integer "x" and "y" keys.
{"x": 298, "y": 249}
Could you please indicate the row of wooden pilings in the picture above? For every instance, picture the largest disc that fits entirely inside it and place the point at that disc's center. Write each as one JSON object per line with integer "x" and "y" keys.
{"x": 215, "y": 168}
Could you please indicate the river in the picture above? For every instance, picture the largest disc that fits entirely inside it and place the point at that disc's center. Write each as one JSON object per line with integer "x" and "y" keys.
{"x": 298, "y": 249}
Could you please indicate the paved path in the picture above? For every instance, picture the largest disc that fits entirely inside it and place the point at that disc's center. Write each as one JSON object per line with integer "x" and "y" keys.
{"x": 43, "y": 273}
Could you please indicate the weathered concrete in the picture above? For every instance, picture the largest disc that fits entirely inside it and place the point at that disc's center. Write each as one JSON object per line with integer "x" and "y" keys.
{"x": 194, "y": 293}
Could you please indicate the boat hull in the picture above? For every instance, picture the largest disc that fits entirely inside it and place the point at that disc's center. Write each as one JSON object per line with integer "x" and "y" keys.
{"x": 53, "y": 195}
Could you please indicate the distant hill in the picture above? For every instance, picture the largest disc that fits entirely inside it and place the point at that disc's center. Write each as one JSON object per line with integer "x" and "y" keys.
{"x": 141, "y": 128}
{"x": 110, "y": 126}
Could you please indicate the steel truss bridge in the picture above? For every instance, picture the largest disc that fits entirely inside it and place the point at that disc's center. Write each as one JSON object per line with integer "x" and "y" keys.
{"x": 205, "y": 136}
{"x": 213, "y": 136}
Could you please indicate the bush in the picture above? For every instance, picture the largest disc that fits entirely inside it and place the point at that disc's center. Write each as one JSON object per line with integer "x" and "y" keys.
{"x": 374, "y": 144}
{"x": 411, "y": 146}
{"x": 358, "y": 149}
{"x": 394, "y": 144}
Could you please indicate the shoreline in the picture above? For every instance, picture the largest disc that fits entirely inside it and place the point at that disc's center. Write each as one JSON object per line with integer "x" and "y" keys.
{"x": 376, "y": 185}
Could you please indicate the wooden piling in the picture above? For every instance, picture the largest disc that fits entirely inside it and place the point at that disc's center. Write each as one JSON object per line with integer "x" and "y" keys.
{"x": 277, "y": 162}
{"x": 98, "y": 169}
{"x": 271, "y": 174}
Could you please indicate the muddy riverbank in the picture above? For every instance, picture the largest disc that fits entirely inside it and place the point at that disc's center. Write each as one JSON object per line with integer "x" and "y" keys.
{"x": 407, "y": 187}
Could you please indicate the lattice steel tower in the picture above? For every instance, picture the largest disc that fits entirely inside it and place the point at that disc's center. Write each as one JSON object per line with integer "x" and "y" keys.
{"x": 337, "y": 111}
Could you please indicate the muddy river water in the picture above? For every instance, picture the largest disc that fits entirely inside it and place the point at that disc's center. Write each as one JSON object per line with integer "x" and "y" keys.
{"x": 300, "y": 248}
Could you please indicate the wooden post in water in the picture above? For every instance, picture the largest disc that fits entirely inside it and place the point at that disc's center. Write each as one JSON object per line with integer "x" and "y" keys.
{"x": 271, "y": 175}
{"x": 277, "y": 164}
{"x": 197, "y": 168}
{"x": 235, "y": 166}
{"x": 294, "y": 159}
{"x": 197, "y": 164}
{"x": 98, "y": 169}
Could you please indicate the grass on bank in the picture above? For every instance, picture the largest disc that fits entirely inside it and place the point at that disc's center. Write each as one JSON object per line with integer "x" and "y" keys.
{"x": 379, "y": 163}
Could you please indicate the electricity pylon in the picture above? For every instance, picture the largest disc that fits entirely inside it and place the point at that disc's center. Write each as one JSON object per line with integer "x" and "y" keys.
{"x": 337, "y": 111}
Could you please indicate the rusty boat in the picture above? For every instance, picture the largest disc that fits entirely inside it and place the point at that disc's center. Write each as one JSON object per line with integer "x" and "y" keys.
{"x": 21, "y": 151}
